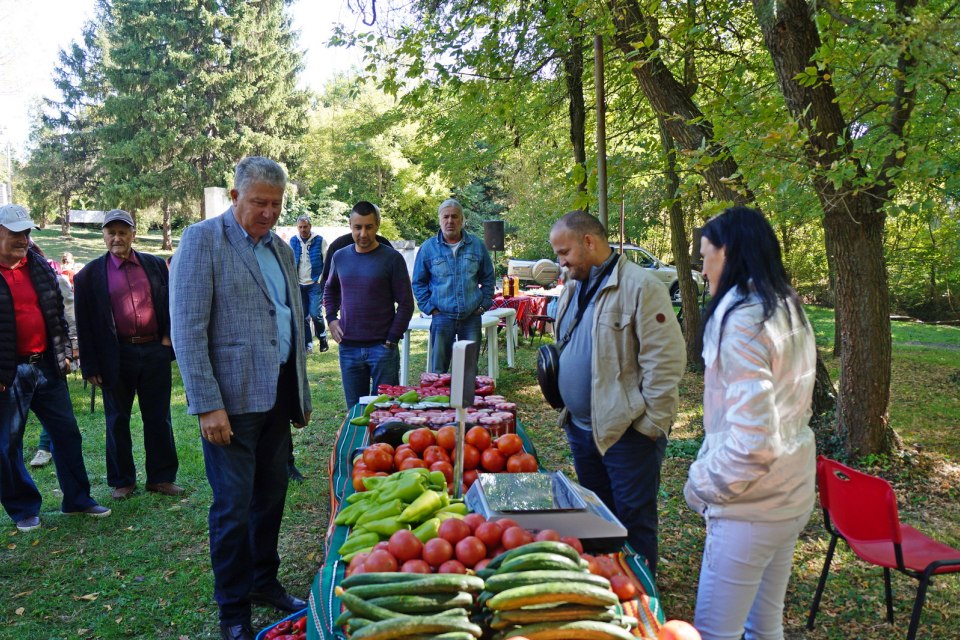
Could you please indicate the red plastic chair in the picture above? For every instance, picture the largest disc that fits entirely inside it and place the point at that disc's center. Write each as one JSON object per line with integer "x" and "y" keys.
{"x": 862, "y": 510}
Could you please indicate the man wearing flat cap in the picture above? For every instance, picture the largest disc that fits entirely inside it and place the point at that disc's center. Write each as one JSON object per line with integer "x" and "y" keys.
{"x": 35, "y": 355}
{"x": 123, "y": 326}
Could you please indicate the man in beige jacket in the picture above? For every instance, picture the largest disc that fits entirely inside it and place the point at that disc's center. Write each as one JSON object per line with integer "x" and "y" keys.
{"x": 619, "y": 410}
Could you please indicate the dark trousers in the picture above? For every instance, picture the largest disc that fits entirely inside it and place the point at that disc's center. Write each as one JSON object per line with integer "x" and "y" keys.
{"x": 311, "y": 297}
{"x": 144, "y": 373}
{"x": 39, "y": 388}
{"x": 627, "y": 479}
{"x": 249, "y": 482}
{"x": 445, "y": 330}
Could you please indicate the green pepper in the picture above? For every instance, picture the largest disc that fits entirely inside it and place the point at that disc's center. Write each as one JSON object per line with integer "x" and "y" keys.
{"x": 371, "y": 407}
{"x": 455, "y": 507}
{"x": 386, "y": 526}
{"x": 428, "y": 530}
{"x": 444, "y": 499}
{"x": 361, "y": 421}
{"x": 446, "y": 515}
{"x": 407, "y": 489}
{"x": 382, "y": 510}
{"x": 375, "y": 482}
{"x": 421, "y": 508}
{"x": 348, "y": 557}
{"x": 437, "y": 477}
{"x": 361, "y": 541}
{"x": 409, "y": 396}
{"x": 350, "y": 515}
{"x": 362, "y": 496}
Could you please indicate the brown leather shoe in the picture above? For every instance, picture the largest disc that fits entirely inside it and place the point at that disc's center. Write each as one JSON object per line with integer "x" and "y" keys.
{"x": 166, "y": 488}
{"x": 122, "y": 493}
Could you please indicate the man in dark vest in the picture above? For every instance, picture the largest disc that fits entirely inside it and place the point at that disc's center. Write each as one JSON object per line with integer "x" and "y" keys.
{"x": 35, "y": 355}
{"x": 123, "y": 325}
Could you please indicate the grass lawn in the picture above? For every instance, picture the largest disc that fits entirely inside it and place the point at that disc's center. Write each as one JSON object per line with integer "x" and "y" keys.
{"x": 145, "y": 572}
{"x": 86, "y": 243}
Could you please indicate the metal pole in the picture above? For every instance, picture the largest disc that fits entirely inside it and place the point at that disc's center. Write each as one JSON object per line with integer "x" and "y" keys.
{"x": 623, "y": 215}
{"x": 458, "y": 459}
{"x": 601, "y": 131}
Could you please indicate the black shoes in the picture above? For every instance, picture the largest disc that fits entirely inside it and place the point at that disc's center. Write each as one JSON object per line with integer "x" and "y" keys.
{"x": 237, "y": 632}
{"x": 324, "y": 345}
{"x": 283, "y": 602}
{"x": 294, "y": 474}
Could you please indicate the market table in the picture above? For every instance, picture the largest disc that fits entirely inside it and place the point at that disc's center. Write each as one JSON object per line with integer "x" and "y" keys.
{"x": 488, "y": 323}
{"x": 325, "y": 606}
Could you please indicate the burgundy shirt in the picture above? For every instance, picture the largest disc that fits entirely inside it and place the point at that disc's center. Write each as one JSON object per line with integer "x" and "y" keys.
{"x": 31, "y": 328}
{"x": 130, "y": 297}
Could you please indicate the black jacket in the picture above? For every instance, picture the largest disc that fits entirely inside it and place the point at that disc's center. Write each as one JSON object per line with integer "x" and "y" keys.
{"x": 51, "y": 304}
{"x": 96, "y": 329}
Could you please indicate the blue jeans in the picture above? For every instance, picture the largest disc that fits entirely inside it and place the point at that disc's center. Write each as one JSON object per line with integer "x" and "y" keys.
{"x": 358, "y": 365}
{"x": 144, "y": 373}
{"x": 39, "y": 388}
{"x": 249, "y": 482}
{"x": 444, "y": 330}
{"x": 627, "y": 479}
{"x": 311, "y": 297}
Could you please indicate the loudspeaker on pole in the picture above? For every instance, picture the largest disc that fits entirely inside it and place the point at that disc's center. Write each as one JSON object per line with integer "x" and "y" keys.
{"x": 493, "y": 235}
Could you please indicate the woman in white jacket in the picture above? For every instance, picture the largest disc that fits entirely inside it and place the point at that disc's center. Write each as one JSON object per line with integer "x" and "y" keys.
{"x": 754, "y": 478}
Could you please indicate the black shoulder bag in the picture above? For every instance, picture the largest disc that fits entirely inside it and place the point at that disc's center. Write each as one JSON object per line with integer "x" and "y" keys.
{"x": 548, "y": 355}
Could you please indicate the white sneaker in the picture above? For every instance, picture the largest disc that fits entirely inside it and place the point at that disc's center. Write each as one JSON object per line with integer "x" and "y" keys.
{"x": 310, "y": 349}
{"x": 42, "y": 458}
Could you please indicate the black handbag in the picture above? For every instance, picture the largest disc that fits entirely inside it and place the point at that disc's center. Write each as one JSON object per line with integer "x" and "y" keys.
{"x": 548, "y": 355}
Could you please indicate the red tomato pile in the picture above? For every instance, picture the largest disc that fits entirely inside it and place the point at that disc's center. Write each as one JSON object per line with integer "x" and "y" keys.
{"x": 460, "y": 545}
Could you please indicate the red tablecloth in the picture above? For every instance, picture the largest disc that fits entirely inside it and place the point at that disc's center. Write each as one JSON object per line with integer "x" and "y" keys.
{"x": 526, "y": 306}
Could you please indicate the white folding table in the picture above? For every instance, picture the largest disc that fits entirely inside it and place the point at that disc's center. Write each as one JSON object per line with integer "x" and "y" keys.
{"x": 488, "y": 322}
{"x": 510, "y": 315}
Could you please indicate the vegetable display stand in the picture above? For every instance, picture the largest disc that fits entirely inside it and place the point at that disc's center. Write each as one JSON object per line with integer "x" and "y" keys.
{"x": 265, "y": 634}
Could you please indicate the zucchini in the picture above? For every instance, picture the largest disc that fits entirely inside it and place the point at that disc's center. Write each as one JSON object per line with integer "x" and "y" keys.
{"x": 424, "y": 604}
{"x": 505, "y": 581}
{"x": 582, "y": 630}
{"x": 379, "y": 578}
{"x": 362, "y": 608}
{"x": 538, "y": 562}
{"x": 411, "y": 625}
{"x": 546, "y": 546}
{"x": 552, "y": 592}
{"x": 562, "y": 613}
{"x": 438, "y": 583}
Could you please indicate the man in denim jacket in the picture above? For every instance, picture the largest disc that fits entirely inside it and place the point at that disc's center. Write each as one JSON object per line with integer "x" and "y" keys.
{"x": 453, "y": 282}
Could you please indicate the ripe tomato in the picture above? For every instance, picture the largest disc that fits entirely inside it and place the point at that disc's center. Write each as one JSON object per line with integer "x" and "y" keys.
{"x": 413, "y": 463}
{"x": 377, "y": 459}
{"x": 528, "y": 463}
{"x": 482, "y": 565}
{"x": 405, "y": 546}
{"x": 489, "y": 533}
{"x": 492, "y": 460}
{"x": 406, "y": 454}
{"x": 401, "y": 448}
{"x": 623, "y": 587}
{"x": 382, "y": 546}
{"x": 473, "y": 520}
{"x": 358, "y": 477}
{"x": 422, "y": 438}
{"x": 415, "y": 566}
{"x": 592, "y": 565}
{"x": 452, "y": 566}
{"x": 469, "y": 477}
{"x": 608, "y": 568}
{"x": 453, "y": 530}
{"x": 513, "y": 463}
{"x": 444, "y": 467}
{"x": 478, "y": 437}
{"x": 380, "y": 561}
{"x": 573, "y": 542}
{"x": 471, "y": 457}
{"x": 493, "y": 552}
{"x": 516, "y": 537}
{"x": 383, "y": 445}
{"x": 437, "y": 551}
{"x": 447, "y": 437}
{"x": 359, "y": 559}
{"x": 547, "y": 535}
{"x": 506, "y": 523}
{"x": 434, "y": 454}
{"x": 470, "y": 551}
{"x": 676, "y": 630}
{"x": 510, "y": 444}
{"x": 360, "y": 465}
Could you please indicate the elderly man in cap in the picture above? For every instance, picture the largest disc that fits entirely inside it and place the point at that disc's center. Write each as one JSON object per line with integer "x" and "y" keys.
{"x": 34, "y": 361}
{"x": 123, "y": 325}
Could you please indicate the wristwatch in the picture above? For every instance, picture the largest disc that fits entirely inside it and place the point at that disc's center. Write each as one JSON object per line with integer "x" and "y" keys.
{"x": 388, "y": 344}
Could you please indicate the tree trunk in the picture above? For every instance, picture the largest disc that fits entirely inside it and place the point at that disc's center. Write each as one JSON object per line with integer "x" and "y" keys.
{"x": 832, "y": 275}
{"x": 65, "y": 217}
{"x": 853, "y": 218}
{"x": 824, "y": 395}
{"x": 681, "y": 255}
{"x": 573, "y": 72}
{"x": 167, "y": 241}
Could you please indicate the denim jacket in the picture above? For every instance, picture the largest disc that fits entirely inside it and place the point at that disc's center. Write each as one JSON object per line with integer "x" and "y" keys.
{"x": 455, "y": 286}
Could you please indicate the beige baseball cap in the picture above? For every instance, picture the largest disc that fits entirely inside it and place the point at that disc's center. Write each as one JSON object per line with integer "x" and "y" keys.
{"x": 15, "y": 218}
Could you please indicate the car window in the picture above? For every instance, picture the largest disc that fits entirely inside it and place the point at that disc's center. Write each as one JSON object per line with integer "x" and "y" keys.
{"x": 639, "y": 257}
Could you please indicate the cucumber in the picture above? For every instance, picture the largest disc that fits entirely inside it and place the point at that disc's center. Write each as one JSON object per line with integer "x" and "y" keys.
{"x": 505, "y": 581}
{"x": 424, "y": 604}
{"x": 357, "y": 623}
{"x": 439, "y": 583}
{"x": 411, "y": 625}
{"x": 485, "y": 573}
{"x": 552, "y": 592}
{"x": 538, "y": 562}
{"x": 546, "y": 546}
{"x": 379, "y": 578}
{"x": 583, "y": 630}
{"x": 343, "y": 618}
{"x": 450, "y": 635}
{"x": 362, "y": 608}
{"x": 562, "y": 613}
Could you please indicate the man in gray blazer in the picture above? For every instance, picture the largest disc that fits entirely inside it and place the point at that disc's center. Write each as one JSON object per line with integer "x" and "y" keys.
{"x": 236, "y": 316}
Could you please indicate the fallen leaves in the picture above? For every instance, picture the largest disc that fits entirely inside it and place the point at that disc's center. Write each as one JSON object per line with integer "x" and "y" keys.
{"x": 90, "y": 597}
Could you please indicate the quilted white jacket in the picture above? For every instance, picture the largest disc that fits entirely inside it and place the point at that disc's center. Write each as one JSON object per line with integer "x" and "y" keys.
{"x": 758, "y": 459}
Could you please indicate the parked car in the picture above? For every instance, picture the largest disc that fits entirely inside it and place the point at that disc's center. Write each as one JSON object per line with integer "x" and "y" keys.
{"x": 664, "y": 272}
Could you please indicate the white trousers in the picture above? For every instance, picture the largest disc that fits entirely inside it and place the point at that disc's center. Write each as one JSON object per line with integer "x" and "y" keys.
{"x": 743, "y": 578}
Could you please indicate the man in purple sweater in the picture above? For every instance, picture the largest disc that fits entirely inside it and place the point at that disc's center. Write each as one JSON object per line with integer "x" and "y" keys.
{"x": 369, "y": 289}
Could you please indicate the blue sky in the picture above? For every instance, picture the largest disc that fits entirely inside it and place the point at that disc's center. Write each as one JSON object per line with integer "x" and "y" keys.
{"x": 34, "y": 31}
